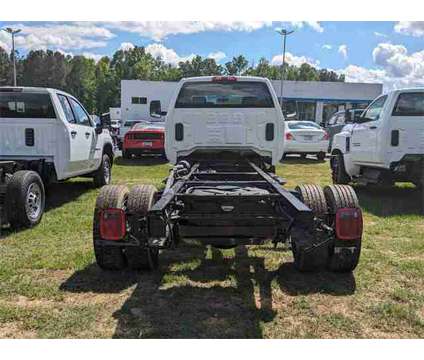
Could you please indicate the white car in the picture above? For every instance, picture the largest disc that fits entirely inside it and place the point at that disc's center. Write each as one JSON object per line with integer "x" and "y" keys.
{"x": 385, "y": 144}
{"x": 305, "y": 137}
{"x": 46, "y": 135}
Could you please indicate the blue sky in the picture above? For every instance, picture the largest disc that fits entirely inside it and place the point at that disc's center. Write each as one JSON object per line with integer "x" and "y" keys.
{"x": 388, "y": 52}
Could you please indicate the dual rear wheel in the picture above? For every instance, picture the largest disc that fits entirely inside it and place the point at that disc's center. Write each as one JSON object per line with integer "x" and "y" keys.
{"x": 342, "y": 256}
{"x": 116, "y": 256}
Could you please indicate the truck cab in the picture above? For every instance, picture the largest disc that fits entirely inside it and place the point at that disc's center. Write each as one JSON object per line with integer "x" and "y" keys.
{"x": 49, "y": 134}
{"x": 385, "y": 144}
{"x": 224, "y": 114}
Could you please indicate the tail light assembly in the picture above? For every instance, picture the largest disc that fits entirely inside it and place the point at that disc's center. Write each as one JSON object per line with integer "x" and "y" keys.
{"x": 289, "y": 136}
{"x": 349, "y": 223}
{"x": 112, "y": 224}
{"x": 326, "y": 136}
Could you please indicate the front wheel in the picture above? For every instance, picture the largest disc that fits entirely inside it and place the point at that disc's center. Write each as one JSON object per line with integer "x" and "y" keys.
{"x": 25, "y": 199}
{"x": 338, "y": 171}
{"x": 321, "y": 156}
{"x": 103, "y": 175}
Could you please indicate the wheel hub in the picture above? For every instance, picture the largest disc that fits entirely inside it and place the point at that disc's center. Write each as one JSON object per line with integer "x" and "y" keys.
{"x": 33, "y": 203}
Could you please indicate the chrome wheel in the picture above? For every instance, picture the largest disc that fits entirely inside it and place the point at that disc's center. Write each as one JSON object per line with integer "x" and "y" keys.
{"x": 34, "y": 201}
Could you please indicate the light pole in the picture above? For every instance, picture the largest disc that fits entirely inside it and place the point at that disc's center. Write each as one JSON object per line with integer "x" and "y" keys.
{"x": 13, "y": 33}
{"x": 284, "y": 33}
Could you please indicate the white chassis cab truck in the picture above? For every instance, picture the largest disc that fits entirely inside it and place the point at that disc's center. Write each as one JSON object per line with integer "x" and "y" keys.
{"x": 385, "y": 144}
{"x": 224, "y": 135}
{"x": 46, "y": 135}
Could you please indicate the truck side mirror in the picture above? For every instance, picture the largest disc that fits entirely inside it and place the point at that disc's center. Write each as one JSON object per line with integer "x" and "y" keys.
{"x": 156, "y": 109}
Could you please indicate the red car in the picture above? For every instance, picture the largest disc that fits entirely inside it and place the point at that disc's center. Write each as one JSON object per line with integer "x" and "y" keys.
{"x": 144, "y": 139}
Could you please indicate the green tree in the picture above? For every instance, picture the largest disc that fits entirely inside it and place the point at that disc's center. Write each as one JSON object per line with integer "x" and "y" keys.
{"x": 81, "y": 81}
{"x": 5, "y": 68}
{"x": 236, "y": 66}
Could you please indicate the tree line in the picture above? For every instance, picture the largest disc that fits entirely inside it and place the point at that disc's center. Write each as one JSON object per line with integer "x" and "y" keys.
{"x": 98, "y": 84}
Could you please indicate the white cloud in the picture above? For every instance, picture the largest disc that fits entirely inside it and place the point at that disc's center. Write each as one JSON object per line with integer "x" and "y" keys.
{"x": 126, "y": 46}
{"x": 62, "y": 36}
{"x": 327, "y": 46}
{"x": 167, "y": 55}
{"x": 95, "y": 57}
{"x": 395, "y": 68}
{"x": 379, "y": 34}
{"x": 315, "y": 25}
{"x": 343, "y": 51}
{"x": 414, "y": 28}
{"x": 294, "y": 60}
{"x": 397, "y": 62}
{"x": 217, "y": 56}
{"x": 158, "y": 30}
{"x": 5, "y": 41}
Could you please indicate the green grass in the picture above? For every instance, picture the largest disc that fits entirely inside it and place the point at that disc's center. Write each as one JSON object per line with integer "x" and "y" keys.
{"x": 51, "y": 288}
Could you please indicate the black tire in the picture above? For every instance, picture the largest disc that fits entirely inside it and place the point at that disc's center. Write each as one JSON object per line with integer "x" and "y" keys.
{"x": 344, "y": 256}
{"x": 25, "y": 199}
{"x": 103, "y": 175}
{"x": 313, "y": 197}
{"x": 108, "y": 257}
{"x": 126, "y": 154}
{"x": 140, "y": 200}
{"x": 321, "y": 156}
{"x": 338, "y": 171}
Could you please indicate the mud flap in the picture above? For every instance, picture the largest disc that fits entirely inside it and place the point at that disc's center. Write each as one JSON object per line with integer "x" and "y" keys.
{"x": 309, "y": 251}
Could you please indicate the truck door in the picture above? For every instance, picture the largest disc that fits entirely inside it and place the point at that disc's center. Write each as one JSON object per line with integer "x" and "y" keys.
{"x": 80, "y": 135}
{"x": 366, "y": 134}
{"x": 406, "y": 126}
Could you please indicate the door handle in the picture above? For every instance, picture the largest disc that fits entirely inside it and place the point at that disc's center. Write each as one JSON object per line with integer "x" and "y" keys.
{"x": 73, "y": 133}
{"x": 373, "y": 127}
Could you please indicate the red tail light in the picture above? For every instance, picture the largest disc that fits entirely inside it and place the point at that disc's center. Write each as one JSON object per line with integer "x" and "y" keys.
{"x": 112, "y": 224}
{"x": 224, "y": 78}
{"x": 289, "y": 136}
{"x": 326, "y": 136}
{"x": 349, "y": 223}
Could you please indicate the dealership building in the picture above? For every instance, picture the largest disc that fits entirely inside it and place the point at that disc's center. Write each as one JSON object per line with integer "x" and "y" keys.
{"x": 303, "y": 100}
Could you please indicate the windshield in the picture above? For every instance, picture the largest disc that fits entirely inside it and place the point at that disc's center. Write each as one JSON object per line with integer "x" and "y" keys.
{"x": 227, "y": 94}
{"x": 26, "y": 105}
{"x": 302, "y": 125}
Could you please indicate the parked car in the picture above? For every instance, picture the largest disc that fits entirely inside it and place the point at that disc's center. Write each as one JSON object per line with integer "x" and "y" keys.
{"x": 143, "y": 139}
{"x": 46, "y": 135}
{"x": 223, "y": 138}
{"x": 305, "y": 137}
{"x": 338, "y": 120}
{"x": 384, "y": 145}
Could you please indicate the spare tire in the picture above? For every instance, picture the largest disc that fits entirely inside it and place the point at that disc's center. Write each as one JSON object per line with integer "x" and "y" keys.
{"x": 25, "y": 199}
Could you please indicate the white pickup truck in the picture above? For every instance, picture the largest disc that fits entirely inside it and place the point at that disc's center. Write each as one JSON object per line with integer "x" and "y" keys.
{"x": 385, "y": 144}
{"x": 46, "y": 135}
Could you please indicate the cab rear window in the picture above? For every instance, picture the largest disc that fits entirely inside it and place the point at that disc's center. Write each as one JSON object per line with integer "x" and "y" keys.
{"x": 409, "y": 104}
{"x": 26, "y": 105}
{"x": 231, "y": 94}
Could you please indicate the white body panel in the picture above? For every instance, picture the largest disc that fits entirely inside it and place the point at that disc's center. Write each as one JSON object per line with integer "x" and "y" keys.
{"x": 370, "y": 142}
{"x": 73, "y": 149}
{"x": 235, "y": 129}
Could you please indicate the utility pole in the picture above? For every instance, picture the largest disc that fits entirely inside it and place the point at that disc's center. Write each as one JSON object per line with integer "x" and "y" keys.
{"x": 284, "y": 33}
{"x": 13, "y": 33}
